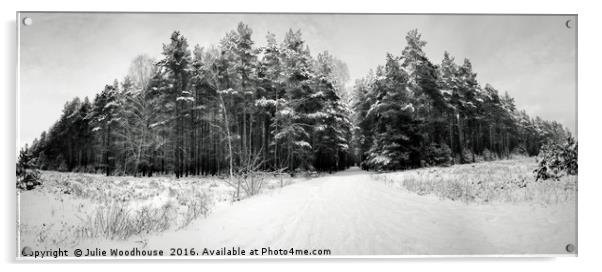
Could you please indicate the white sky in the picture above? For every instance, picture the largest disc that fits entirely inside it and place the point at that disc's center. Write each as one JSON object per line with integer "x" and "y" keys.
{"x": 69, "y": 55}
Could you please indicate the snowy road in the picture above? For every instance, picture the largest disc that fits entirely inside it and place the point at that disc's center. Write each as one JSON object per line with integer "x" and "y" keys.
{"x": 351, "y": 213}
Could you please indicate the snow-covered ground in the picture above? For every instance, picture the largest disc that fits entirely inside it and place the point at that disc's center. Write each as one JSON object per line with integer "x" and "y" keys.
{"x": 352, "y": 212}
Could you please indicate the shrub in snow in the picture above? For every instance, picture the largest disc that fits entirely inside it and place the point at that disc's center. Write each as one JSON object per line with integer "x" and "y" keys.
{"x": 557, "y": 159}
{"x": 520, "y": 150}
{"x": 62, "y": 166}
{"x": 90, "y": 169}
{"x": 468, "y": 157}
{"x": 28, "y": 177}
{"x": 377, "y": 162}
{"x": 488, "y": 155}
{"x": 435, "y": 154}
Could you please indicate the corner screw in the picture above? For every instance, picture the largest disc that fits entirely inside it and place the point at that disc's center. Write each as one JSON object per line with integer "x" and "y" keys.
{"x": 27, "y": 21}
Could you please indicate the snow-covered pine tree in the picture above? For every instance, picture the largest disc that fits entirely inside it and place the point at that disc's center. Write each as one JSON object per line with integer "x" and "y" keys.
{"x": 392, "y": 112}
{"x": 291, "y": 128}
{"x": 270, "y": 95}
{"x": 28, "y": 176}
{"x": 104, "y": 119}
{"x": 332, "y": 124}
{"x": 178, "y": 98}
{"x": 427, "y": 98}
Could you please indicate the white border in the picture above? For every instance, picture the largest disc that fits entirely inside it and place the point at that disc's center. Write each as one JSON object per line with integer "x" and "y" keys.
{"x": 323, "y": 257}
{"x": 18, "y": 126}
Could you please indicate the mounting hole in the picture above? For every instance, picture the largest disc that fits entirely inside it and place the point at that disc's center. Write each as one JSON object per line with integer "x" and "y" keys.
{"x": 27, "y": 21}
{"x": 570, "y": 248}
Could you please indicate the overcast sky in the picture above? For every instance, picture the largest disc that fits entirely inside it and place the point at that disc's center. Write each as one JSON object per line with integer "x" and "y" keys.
{"x": 533, "y": 58}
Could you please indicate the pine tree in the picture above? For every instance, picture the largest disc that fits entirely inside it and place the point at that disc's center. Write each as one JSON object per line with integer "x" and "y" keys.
{"x": 270, "y": 97}
{"x": 292, "y": 127}
{"x": 103, "y": 118}
{"x": 28, "y": 177}
{"x": 392, "y": 111}
{"x": 424, "y": 90}
{"x": 176, "y": 62}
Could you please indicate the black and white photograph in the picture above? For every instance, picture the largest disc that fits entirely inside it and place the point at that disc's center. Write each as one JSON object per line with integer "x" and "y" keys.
{"x": 295, "y": 135}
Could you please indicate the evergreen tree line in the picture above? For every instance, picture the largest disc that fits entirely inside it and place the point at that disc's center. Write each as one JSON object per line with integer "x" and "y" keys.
{"x": 413, "y": 113}
{"x": 235, "y": 108}
{"x": 225, "y": 109}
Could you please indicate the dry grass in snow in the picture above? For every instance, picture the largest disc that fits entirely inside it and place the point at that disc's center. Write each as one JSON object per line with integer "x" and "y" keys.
{"x": 498, "y": 181}
{"x": 70, "y": 207}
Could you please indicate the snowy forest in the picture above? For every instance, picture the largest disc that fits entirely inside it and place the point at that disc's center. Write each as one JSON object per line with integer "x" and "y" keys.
{"x": 237, "y": 107}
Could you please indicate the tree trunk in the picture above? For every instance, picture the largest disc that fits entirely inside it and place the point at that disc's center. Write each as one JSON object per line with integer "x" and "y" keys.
{"x": 460, "y": 139}
{"x": 229, "y": 145}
